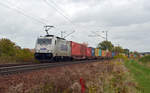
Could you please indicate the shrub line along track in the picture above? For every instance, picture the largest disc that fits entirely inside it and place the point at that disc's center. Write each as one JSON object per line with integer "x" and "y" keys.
{"x": 14, "y": 69}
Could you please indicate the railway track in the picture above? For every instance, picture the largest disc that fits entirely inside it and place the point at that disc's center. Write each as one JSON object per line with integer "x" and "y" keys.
{"x": 14, "y": 69}
{"x": 8, "y": 65}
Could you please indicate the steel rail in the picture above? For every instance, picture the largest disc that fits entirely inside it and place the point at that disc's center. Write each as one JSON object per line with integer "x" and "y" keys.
{"x": 17, "y": 64}
{"x": 23, "y": 68}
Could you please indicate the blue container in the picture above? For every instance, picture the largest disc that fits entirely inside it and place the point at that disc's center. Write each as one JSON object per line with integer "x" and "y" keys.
{"x": 113, "y": 54}
{"x": 93, "y": 51}
{"x": 134, "y": 55}
{"x": 100, "y": 52}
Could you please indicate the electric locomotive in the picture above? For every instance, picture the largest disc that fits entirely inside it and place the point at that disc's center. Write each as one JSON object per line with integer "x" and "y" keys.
{"x": 50, "y": 47}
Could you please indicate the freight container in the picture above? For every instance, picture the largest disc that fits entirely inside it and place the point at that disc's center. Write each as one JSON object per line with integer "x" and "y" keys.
{"x": 103, "y": 53}
{"x": 113, "y": 54}
{"x": 78, "y": 50}
{"x": 131, "y": 55}
{"x": 93, "y": 52}
{"x": 88, "y": 52}
{"x": 100, "y": 52}
{"x": 135, "y": 55}
{"x": 106, "y": 53}
{"x": 96, "y": 52}
{"x": 83, "y": 50}
{"x": 109, "y": 54}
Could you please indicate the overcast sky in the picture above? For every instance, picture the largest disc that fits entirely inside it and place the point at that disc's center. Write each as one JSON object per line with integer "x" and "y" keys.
{"x": 127, "y": 21}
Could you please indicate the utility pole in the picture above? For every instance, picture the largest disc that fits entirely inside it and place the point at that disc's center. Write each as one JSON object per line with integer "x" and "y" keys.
{"x": 106, "y": 34}
{"x": 96, "y": 35}
{"x": 47, "y": 28}
{"x": 62, "y": 32}
{"x": 106, "y": 38}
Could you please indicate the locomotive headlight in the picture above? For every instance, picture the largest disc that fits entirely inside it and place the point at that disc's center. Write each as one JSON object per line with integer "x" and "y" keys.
{"x": 49, "y": 51}
{"x": 37, "y": 50}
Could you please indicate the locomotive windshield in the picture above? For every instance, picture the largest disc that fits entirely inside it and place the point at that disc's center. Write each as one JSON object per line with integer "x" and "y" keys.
{"x": 44, "y": 41}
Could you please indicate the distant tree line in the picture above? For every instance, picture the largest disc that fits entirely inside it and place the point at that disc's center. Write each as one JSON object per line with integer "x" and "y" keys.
{"x": 10, "y": 52}
{"x": 107, "y": 45}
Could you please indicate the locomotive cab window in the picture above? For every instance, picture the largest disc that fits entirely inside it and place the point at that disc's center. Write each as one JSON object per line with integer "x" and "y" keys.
{"x": 44, "y": 41}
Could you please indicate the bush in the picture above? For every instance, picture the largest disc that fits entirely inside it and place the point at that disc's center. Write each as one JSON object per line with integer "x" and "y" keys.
{"x": 7, "y": 48}
{"x": 10, "y": 52}
{"x": 121, "y": 57}
{"x": 145, "y": 59}
{"x": 24, "y": 55}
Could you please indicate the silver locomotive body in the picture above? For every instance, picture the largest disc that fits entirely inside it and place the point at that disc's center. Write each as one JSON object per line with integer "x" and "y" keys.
{"x": 51, "y": 47}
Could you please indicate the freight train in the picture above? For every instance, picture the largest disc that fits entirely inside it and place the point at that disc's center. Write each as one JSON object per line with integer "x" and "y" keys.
{"x": 51, "y": 47}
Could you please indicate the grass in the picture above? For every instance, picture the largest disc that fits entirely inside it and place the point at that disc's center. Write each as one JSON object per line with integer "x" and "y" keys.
{"x": 141, "y": 74}
{"x": 107, "y": 77}
{"x": 99, "y": 77}
{"x": 145, "y": 59}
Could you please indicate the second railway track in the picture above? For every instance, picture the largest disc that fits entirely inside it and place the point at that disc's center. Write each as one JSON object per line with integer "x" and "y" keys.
{"x": 5, "y": 70}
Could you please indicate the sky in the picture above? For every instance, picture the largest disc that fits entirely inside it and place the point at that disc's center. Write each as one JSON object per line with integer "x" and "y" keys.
{"x": 127, "y": 21}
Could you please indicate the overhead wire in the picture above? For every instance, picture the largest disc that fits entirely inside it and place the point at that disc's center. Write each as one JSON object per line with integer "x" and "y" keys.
{"x": 59, "y": 8}
{"x": 58, "y": 11}
{"x": 97, "y": 35}
{"x": 39, "y": 20}
{"x": 69, "y": 34}
{"x": 62, "y": 13}
{"x": 22, "y": 12}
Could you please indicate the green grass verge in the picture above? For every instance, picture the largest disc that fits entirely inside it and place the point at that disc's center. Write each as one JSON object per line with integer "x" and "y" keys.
{"x": 141, "y": 74}
{"x": 145, "y": 59}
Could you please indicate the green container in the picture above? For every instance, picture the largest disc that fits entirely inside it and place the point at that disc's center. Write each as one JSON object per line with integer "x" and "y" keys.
{"x": 100, "y": 52}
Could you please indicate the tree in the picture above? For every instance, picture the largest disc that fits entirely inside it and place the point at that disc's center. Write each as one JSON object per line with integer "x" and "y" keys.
{"x": 126, "y": 51}
{"x": 118, "y": 49}
{"x": 10, "y": 52}
{"x": 105, "y": 45}
{"x": 136, "y": 54}
{"x": 7, "y": 48}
